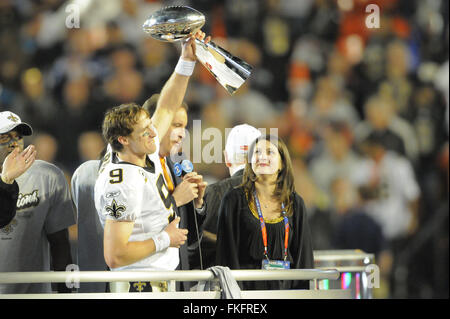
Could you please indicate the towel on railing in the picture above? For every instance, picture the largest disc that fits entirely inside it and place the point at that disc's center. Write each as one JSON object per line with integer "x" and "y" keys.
{"x": 230, "y": 288}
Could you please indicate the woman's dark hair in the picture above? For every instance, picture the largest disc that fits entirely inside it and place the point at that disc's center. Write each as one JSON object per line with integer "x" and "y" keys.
{"x": 285, "y": 179}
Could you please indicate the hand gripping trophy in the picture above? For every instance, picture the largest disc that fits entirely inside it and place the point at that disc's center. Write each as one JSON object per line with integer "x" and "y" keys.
{"x": 175, "y": 23}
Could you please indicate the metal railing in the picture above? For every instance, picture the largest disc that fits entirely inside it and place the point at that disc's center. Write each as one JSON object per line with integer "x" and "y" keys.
{"x": 355, "y": 267}
{"x": 178, "y": 275}
{"x": 352, "y": 256}
{"x": 171, "y": 276}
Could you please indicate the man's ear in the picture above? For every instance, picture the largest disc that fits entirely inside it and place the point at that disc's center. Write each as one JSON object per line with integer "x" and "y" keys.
{"x": 122, "y": 140}
{"x": 227, "y": 162}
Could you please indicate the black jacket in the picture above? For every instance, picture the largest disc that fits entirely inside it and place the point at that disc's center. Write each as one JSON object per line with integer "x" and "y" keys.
{"x": 8, "y": 202}
{"x": 213, "y": 197}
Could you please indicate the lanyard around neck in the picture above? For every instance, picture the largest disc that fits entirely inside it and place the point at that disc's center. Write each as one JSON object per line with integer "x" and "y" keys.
{"x": 264, "y": 229}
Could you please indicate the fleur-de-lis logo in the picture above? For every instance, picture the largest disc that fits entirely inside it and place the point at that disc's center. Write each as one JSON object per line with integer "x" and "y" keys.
{"x": 139, "y": 286}
{"x": 8, "y": 229}
{"x": 13, "y": 118}
{"x": 115, "y": 209}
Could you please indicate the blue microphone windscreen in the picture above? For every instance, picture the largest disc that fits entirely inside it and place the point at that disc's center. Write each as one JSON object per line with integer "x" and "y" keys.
{"x": 177, "y": 169}
{"x": 187, "y": 166}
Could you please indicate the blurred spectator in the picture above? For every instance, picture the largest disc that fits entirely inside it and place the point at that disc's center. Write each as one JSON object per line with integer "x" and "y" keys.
{"x": 394, "y": 183}
{"x": 261, "y": 79}
{"x": 381, "y": 118}
{"x": 337, "y": 158}
{"x": 398, "y": 83}
{"x": 90, "y": 145}
{"x": 428, "y": 119}
{"x": 83, "y": 114}
{"x": 46, "y": 146}
{"x": 324, "y": 20}
{"x": 355, "y": 229}
{"x": 296, "y": 13}
{"x": 247, "y": 105}
{"x": 36, "y": 103}
{"x": 132, "y": 14}
{"x": 156, "y": 57}
{"x": 242, "y": 18}
{"x": 318, "y": 204}
{"x": 396, "y": 193}
{"x": 297, "y": 130}
{"x": 275, "y": 41}
{"x": 300, "y": 85}
{"x": 309, "y": 52}
{"x": 125, "y": 84}
{"x": 330, "y": 104}
{"x": 441, "y": 82}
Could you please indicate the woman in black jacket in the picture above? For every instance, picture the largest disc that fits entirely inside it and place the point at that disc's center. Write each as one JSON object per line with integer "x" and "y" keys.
{"x": 263, "y": 222}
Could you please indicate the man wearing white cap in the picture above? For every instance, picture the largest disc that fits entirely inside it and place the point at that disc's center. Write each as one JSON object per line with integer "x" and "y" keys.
{"x": 14, "y": 165}
{"x": 236, "y": 149}
{"x": 38, "y": 233}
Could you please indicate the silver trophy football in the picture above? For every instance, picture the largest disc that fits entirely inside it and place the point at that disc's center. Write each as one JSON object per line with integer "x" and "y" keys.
{"x": 178, "y": 22}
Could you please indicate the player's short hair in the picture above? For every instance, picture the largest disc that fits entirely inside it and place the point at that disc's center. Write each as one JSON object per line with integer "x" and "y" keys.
{"x": 150, "y": 104}
{"x": 119, "y": 121}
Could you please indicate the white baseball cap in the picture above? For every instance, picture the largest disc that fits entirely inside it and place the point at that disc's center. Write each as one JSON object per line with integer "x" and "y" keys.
{"x": 10, "y": 121}
{"x": 239, "y": 140}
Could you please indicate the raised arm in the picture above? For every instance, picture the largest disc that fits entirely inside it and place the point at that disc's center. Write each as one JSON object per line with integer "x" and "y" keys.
{"x": 172, "y": 94}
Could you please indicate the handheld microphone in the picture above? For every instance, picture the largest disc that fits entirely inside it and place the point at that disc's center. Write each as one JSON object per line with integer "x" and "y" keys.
{"x": 177, "y": 170}
{"x": 183, "y": 168}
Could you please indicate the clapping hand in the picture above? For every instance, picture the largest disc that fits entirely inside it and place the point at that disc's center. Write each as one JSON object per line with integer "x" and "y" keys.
{"x": 15, "y": 164}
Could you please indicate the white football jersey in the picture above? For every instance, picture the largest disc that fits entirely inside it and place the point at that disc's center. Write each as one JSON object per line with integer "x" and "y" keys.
{"x": 127, "y": 192}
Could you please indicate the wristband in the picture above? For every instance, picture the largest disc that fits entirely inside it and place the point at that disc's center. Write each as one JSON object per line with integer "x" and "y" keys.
{"x": 161, "y": 240}
{"x": 184, "y": 67}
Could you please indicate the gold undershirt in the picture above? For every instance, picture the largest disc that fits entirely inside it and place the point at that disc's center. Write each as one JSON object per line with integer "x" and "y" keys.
{"x": 252, "y": 206}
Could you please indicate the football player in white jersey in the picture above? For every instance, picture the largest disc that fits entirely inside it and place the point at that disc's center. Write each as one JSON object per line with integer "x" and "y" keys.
{"x": 131, "y": 197}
